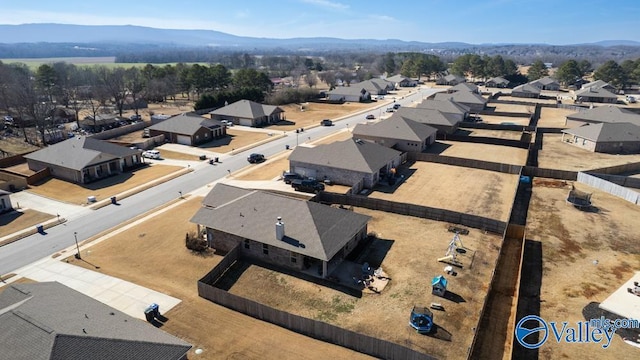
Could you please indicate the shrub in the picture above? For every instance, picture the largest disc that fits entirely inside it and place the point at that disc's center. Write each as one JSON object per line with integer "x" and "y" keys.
{"x": 195, "y": 243}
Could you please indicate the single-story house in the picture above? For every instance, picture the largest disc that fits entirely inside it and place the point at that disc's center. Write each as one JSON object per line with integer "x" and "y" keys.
{"x": 444, "y": 123}
{"x": 602, "y": 85}
{"x": 49, "y": 320}
{"x": 101, "y": 122}
{"x": 475, "y": 102}
{"x": 5, "y": 201}
{"x": 402, "y": 81}
{"x": 398, "y": 133}
{"x": 497, "y": 82}
{"x": 464, "y": 87}
{"x": 614, "y": 138}
{"x": 189, "y": 129}
{"x": 376, "y": 86}
{"x": 62, "y": 115}
{"x": 349, "y": 94}
{"x": 526, "y": 91}
{"x": 349, "y": 162}
{"x": 84, "y": 159}
{"x": 278, "y": 229}
{"x": 594, "y": 94}
{"x": 249, "y": 113}
{"x": 450, "y": 80}
{"x": 602, "y": 114}
{"x": 546, "y": 83}
{"x": 446, "y": 106}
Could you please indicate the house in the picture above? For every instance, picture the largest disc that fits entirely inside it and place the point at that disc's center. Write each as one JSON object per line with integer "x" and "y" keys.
{"x": 602, "y": 114}
{"x": 450, "y": 80}
{"x": 446, "y": 106}
{"x": 49, "y": 320}
{"x": 475, "y": 102}
{"x": 348, "y": 94}
{"x": 439, "y": 285}
{"x": 62, "y": 115}
{"x": 601, "y": 85}
{"x": 526, "y": 91}
{"x": 594, "y": 94}
{"x": 546, "y": 83}
{"x": 349, "y": 162}
{"x": 613, "y": 138}
{"x": 5, "y": 201}
{"x": 189, "y": 129}
{"x": 84, "y": 159}
{"x": 100, "y": 122}
{"x": 444, "y": 123}
{"x": 464, "y": 87}
{"x": 281, "y": 230}
{"x": 497, "y": 82}
{"x": 398, "y": 133}
{"x": 402, "y": 81}
{"x": 376, "y": 86}
{"x": 249, "y": 113}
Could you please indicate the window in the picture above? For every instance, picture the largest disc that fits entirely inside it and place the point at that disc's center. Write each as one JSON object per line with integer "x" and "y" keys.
{"x": 294, "y": 257}
{"x": 265, "y": 249}
{"x": 247, "y": 244}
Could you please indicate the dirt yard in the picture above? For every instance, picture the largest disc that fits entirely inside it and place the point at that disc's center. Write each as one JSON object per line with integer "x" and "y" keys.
{"x": 409, "y": 259}
{"x": 315, "y": 112}
{"x": 553, "y": 118}
{"x": 19, "y": 220}
{"x": 499, "y": 134}
{"x": 132, "y": 137}
{"x": 504, "y": 120}
{"x": 152, "y": 254}
{"x": 14, "y": 144}
{"x": 586, "y": 255}
{"x": 485, "y": 152}
{"x": 479, "y": 192}
{"x": 558, "y": 155}
{"x": 512, "y": 108}
{"x": 176, "y": 155}
{"x": 268, "y": 170}
{"x": 237, "y": 139}
{"x": 77, "y": 194}
{"x": 533, "y": 101}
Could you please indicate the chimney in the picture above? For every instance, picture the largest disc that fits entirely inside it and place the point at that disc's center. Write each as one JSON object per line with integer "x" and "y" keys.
{"x": 279, "y": 229}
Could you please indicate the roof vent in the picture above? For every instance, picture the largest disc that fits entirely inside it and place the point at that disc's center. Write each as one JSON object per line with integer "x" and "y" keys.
{"x": 279, "y": 229}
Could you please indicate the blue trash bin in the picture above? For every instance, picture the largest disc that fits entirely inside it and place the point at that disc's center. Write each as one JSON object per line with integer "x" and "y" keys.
{"x": 40, "y": 229}
{"x": 113, "y": 200}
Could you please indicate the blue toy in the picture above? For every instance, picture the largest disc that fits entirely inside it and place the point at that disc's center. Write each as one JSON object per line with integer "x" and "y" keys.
{"x": 421, "y": 319}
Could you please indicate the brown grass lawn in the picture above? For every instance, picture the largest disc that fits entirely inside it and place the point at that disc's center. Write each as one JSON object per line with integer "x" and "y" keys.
{"x": 175, "y": 155}
{"x": 339, "y": 136}
{"x": 153, "y": 254}
{"x": 502, "y": 120}
{"x": 485, "y": 152}
{"x": 237, "y": 139}
{"x": 571, "y": 240}
{"x": 77, "y": 194}
{"x": 270, "y": 169}
{"x": 19, "y": 220}
{"x": 558, "y": 155}
{"x": 315, "y": 112}
{"x": 553, "y": 118}
{"x": 499, "y": 134}
{"x": 15, "y": 145}
{"x": 513, "y": 108}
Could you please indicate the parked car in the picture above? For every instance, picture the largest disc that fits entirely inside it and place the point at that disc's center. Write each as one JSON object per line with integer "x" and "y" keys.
{"x": 370, "y": 117}
{"x": 151, "y": 154}
{"x": 307, "y": 185}
{"x": 288, "y": 177}
{"x": 255, "y": 158}
{"x": 326, "y": 122}
{"x": 135, "y": 117}
{"x": 396, "y": 106}
{"x": 227, "y": 123}
{"x": 390, "y": 110}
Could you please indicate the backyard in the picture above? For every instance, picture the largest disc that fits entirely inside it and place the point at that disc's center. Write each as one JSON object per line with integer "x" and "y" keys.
{"x": 483, "y": 152}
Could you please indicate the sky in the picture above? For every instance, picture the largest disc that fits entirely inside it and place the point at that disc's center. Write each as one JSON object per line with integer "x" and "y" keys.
{"x": 557, "y": 22}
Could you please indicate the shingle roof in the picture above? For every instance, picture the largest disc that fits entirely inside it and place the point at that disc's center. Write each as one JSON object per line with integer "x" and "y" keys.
{"x": 597, "y": 92}
{"x": 398, "y": 78}
{"x": 447, "y": 106}
{"x": 464, "y": 87}
{"x": 526, "y": 88}
{"x": 185, "y": 124}
{"x": 361, "y": 156}
{"x": 51, "y": 321}
{"x": 348, "y": 90}
{"x": 452, "y": 77}
{"x": 427, "y": 116}
{"x": 79, "y": 152}
{"x": 311, "y": 229}
{"x": 396, "y": 128}
{"x": 596, "y": 84}
{"x": 608, "y": 114}
{"x": 547, "y": 80}
{"x": 464, "y": 97}
{"x": 607, "y": 132}
{"x": 247, "y": 109}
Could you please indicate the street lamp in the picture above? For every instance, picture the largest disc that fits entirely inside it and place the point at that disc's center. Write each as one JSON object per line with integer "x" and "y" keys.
{"x": 75, "y": 235}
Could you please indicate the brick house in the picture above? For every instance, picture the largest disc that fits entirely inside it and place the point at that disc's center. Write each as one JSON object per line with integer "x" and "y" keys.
{"x": 189, "y": 129}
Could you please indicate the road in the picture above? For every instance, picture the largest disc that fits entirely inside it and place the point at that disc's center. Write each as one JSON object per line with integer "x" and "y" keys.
{"x": 30, "y": 249}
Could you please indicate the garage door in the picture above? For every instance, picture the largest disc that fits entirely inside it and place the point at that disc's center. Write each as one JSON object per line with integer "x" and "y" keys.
{"x": 245, "y": 122}
{"x": 304, "y": 171}
{"x": 184, "y": 140}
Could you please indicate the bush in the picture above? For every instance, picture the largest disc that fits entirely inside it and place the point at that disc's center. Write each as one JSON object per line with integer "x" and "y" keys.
{"x": 195, "y": 243}
{"x": 292, "y": 96}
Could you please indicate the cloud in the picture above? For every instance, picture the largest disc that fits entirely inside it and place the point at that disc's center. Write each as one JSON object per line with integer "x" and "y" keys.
{"x": 243, "y": 14}
{"x": 382, "y": 18}
{"x": 327, "y": 4}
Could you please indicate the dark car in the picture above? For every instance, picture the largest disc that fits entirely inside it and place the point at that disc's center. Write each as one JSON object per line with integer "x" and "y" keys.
{"x": 288, "y": 177}
{"x": 370, "y": 117}
{"x": 326, "y": 122}
{"x": 396, "y": 106}
{"x": 307, "y": 185}
{"x": 255, "y": 158}
{"x": 135, "y": 117}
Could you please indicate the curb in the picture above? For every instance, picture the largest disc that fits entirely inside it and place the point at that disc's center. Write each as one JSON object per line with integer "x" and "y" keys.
{"x": 24, "y": 233}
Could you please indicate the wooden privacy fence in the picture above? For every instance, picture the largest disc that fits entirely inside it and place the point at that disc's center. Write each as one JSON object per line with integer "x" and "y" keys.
{"x": 486, "y": 140}
{"x": 550, "y": 173}
{"x": 109, "y": 134}
{"x": 617, "y": 169}
{"x": 474, "y": 125}
{"x": 470, "y": 163}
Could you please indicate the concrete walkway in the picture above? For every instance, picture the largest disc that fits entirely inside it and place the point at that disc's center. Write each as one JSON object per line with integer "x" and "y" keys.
{"x": 27, "y": 200}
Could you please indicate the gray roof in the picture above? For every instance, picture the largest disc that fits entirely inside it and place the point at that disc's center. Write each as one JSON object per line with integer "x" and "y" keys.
{"x": 396, "y": 128}
{"x": 79, "y": 152}
{"x": 464, "y": 87}
{"x": 498, "y": 80}
{"x": 447, "y": 106}
{"x": 51, "y": 321}
{"x": 464, "y": 97}
{"x": 608, "y": 114}
{"x": 186, "y": 124}
{"x": 361, "y": 156}
{"x": 311, "y": 229}
{"x": 597, "y": 92}
{"x": 547, "y": 80}
{"x": 607, "y": 132}
{"x": 399, "y": 78}
{"x": 3, "y": 192}
{"x": 349, "y": 90}
{"x": 427, "y": 116}
{"x": 526, "y": 88}
{"x": 597, "y": 84}
{"x": 452, "y": 77}
{"x": 247, "y": 109}
{"x": 375, "y": 86}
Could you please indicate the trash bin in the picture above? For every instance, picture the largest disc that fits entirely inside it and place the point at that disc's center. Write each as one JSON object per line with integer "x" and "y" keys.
{"x": 113, "y": 200}
{"x": 217, "y": 159}
{"x": 203, "y": 157}
{"x": 156, "y": 310}
{"x": 286, "y": 147}
{"x": 149, "y": 314}
{"x": 40, "y": 229}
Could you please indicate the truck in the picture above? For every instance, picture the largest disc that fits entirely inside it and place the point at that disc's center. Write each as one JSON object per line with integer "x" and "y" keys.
{"x": 307, "y": 185}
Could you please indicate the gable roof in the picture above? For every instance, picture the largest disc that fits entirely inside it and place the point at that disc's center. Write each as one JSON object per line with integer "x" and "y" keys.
{"x": 447, "y": 106}
{"x": 526, "y": 88}
{"x": 464, "y": 97}
{"x": 185, "y": 124}
{"x": 498, "y": 80}
{"x": 547, "y": 80}
{"x": 311, "y": 229}
{"x": 452, "y": 77}
{"x": 51, "y": 321}
{"x": 607, "y": 132}
{"x": 427, "y": 116}
{"x": 464, "y": 87}
{"x": 596, "y": 92}
{"x": 79, "y": 152}
{"x": 608, "y": 114}
{"x": 597, "y": 84}
{"x": 247, "y": 109}
{"x": 349, "y": 90}
{"x": 396, "y": 128}
{"x": 375, "y": 86}
{"x": 399, "y": 78}
{"x": 352, "y": 154}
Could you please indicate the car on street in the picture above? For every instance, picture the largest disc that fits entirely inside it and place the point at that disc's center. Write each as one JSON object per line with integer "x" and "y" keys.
{"x": 396, "y": 106}
{"x": 370, "y": 117}
{"x": 326, "y": 122}
{"x": 255, "y": 158}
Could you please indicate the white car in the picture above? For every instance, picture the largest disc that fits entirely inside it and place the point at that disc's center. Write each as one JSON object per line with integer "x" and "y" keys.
{"x": 151, "y": 154}
{"x": 227, "y": 123}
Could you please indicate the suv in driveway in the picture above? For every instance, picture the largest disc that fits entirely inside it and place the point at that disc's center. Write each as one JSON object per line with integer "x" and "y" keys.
{"x": 307, "y": 185}
{"x": 255, "y": 158}
{"x": 288, "y": 177}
